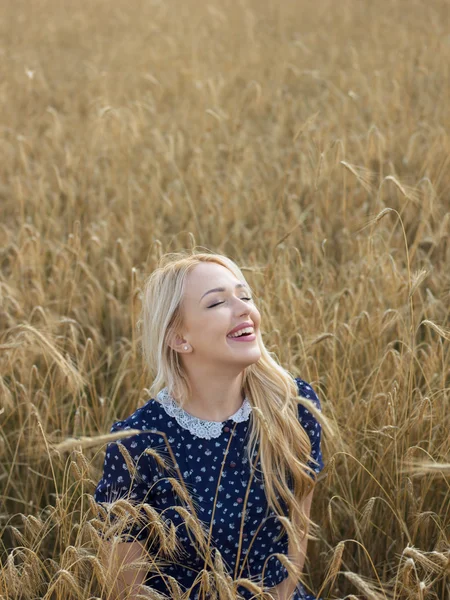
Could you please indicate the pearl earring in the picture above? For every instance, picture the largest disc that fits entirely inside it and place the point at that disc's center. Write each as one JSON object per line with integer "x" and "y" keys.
{"x": 186, "y": 347}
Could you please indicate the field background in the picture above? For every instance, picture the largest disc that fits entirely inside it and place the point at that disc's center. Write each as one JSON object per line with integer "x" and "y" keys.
{"x": 309, "y": 141}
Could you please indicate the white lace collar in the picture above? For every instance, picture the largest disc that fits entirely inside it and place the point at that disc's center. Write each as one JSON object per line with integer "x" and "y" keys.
{"x": 200, "y": 427}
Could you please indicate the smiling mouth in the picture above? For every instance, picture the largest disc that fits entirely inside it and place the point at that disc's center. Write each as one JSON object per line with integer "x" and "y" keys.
{"x": 242, "y": 332}
{"x": 246, "y": 337}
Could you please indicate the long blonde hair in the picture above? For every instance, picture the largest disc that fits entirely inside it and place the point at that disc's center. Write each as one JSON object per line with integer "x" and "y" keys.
{"x": 284, "y": 445}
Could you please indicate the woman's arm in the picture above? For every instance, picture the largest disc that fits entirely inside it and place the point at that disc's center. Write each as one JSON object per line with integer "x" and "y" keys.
{"x": 285, "y": 589}
{"x": 127, "y": 583}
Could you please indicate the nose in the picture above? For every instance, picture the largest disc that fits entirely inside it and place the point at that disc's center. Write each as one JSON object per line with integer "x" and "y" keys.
{"x": 245, "y": 309}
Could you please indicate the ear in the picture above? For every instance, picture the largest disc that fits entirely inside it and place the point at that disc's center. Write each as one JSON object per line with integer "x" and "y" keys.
{"x": 176, "y": 341}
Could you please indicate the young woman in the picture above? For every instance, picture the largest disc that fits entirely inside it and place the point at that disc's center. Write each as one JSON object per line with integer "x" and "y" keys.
{"x": 244, "y": 438}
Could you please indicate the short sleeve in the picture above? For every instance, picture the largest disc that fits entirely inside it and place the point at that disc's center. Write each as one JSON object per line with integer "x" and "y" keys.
{"x": 311, "y": 425}
{"x": 117, "y": 482}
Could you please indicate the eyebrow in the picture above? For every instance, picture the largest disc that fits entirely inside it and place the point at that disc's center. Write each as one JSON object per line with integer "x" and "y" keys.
{"x": 222, "y": 289}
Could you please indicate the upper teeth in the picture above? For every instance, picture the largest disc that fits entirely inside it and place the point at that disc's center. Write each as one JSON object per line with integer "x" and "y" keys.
{"x": 241, "y": 331}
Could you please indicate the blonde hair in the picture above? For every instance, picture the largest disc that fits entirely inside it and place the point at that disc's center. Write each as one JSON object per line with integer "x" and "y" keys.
{"x": 284, "y": 445}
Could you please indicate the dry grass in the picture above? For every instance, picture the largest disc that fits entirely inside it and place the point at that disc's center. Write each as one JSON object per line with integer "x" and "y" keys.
{"x": 307, "y": 140}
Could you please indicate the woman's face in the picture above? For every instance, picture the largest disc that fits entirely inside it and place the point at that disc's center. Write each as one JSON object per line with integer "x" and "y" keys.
{"x": 210, "y": 315}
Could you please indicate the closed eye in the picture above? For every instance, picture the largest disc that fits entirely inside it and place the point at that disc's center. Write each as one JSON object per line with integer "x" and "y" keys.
{"x": 217, "y": 303}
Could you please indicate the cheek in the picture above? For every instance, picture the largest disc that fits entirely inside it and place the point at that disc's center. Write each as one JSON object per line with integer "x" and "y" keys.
{"x": 256, "y": 316}
{"x": 214, "y": 325}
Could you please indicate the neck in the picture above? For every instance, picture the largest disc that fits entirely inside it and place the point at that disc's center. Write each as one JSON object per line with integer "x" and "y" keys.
{"x": 215, "y": 398}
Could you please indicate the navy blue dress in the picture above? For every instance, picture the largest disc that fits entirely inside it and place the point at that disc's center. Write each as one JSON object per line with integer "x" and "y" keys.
{"x": 199, "y": 447}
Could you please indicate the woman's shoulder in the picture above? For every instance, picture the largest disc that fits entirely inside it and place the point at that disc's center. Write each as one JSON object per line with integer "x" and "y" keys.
{"x": 146, "y": 418}
{"x": 311, "y": 425}
{"x": 306, "y": 390}
{"x": 306, "y": 417}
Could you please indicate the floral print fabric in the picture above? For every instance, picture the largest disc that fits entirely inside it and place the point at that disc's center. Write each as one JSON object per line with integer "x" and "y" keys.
{"x": 199, "y": 448}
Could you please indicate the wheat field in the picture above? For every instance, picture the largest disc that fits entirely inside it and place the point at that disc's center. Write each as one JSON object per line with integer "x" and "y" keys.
{"x": 308, "y": 141}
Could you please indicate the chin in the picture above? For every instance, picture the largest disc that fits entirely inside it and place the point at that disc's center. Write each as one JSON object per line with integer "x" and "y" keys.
{"x": 251, "y": 361}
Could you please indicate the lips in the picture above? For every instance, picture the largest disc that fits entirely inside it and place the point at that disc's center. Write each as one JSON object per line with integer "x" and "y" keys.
{"x": 241, "y": 326}
{"x": 243, "y": 338}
